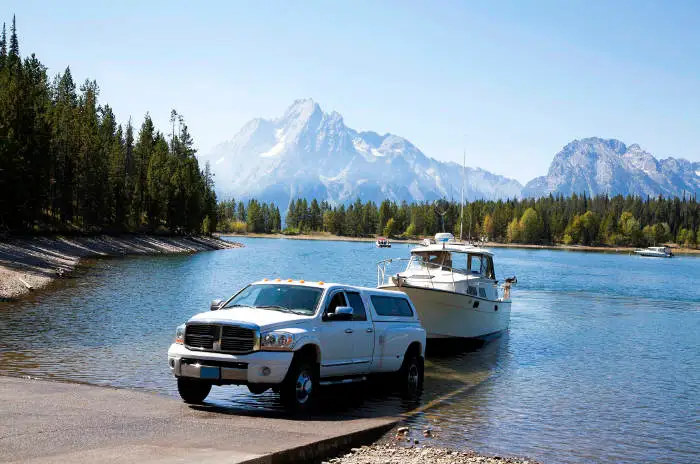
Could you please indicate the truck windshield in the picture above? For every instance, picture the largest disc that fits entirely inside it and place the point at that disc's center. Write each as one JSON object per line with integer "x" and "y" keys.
{"x": 297, "y": 299}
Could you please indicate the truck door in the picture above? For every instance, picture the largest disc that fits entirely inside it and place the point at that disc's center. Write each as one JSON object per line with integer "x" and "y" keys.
{"x": 363, "y": 334}
{"x": 336, "y": 340}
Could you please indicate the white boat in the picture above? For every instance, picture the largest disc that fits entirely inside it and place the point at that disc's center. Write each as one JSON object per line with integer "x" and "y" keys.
{"x": 383, "y": 242}
{"x": 655, "y": 252}
{"x": 454, "y": 289}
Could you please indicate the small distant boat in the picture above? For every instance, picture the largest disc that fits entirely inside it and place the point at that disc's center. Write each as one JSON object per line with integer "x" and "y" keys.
{"x": 655, "y": 252}
{"x": 383, "y": 242}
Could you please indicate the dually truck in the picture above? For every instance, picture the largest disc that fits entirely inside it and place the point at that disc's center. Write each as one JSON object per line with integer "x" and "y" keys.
{"x": 294, "y": 336}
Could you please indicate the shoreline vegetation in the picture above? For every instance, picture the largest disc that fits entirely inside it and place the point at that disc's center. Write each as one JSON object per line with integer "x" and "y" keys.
{"x": 599, "y": 221}
{"x": 32, "y": 263}
{"x": 327, "y": 236}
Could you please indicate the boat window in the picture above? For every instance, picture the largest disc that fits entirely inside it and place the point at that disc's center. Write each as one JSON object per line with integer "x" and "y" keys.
{"x": 459, "y": 262}
{"x": 477, "y": 266}
{"x": 358, "y": 307}
{"x": 490, "y": 271}
{"x": 391, "y": 306}
{"x": 337, "y": 300}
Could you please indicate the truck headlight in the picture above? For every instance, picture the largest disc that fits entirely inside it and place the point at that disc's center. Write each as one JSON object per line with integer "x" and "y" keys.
{"x": 277, "y": 341}
{"x": 180, "y": 334}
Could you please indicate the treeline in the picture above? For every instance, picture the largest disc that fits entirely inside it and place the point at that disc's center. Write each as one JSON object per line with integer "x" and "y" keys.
{"x": 256, "y": 217}
{"x": 601, "y": 220}
{"x": 66, "y": 164}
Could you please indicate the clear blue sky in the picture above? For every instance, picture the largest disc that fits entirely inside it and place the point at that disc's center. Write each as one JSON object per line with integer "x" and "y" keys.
{"x": 510, "y": 81}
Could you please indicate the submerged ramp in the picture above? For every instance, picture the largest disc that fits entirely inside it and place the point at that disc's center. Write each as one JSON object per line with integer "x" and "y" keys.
{"x": 45, "y": 421}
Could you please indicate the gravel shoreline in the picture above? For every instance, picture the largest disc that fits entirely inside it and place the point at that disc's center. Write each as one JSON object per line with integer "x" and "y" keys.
{"x": 406, "y": 445}
{"x": 31, "y": 263}
{"x": 391, "y": 454}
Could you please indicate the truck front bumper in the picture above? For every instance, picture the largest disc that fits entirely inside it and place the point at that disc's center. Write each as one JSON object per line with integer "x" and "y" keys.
{"x": 260, "y": 367}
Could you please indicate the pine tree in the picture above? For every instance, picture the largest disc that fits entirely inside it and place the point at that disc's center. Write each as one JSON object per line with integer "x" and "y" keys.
{"x": 3, "y": 46}
{"x": 64, "y": 146}
{"x": 14, "y": 42}
{"x": 141, "y": 158}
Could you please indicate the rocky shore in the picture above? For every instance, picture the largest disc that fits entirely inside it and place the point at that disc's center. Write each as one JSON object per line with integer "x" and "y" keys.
{"x": 28, "y": 264}
{"x": 391, "y": 454}
{"x": 403, "y": 445}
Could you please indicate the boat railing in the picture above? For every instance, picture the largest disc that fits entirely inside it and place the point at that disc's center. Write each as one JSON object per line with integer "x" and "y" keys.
{"x": 384, "y": 277}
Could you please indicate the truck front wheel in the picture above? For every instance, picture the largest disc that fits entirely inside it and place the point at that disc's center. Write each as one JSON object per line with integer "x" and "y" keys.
{"x": 298, "y": 391}
{"x": 193, "y": 391}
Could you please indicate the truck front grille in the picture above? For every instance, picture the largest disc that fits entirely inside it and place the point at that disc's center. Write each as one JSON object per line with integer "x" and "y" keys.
{"x": 221, "y": 338}
{"x": 237, "y": 339}
{"x": 201, "y": 336}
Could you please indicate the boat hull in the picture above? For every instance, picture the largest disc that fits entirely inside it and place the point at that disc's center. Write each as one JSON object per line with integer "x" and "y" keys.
{"x": 651, "y": 254}
{"x": 449, "y": 315}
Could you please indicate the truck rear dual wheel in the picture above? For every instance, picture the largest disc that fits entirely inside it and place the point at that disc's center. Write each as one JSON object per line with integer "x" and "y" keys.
{"x": 410, "y": 378}
{"x": 193, "y": 391}
{"x": 298, "y": 391}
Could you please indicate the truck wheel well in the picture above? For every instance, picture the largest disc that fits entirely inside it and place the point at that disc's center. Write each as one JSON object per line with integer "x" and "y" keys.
{"x": 413, "y": 348}
{"x": 309, "y": 352}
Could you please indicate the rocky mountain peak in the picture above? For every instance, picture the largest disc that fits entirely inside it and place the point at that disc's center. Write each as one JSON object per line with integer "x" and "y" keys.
{"x": 607, "y": 166}
{"x": 310, "y": 153}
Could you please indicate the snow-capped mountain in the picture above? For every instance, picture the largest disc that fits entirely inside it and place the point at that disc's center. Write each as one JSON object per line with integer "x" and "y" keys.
{"x": 309, "y": 153}
{"x": 599, "y": 166}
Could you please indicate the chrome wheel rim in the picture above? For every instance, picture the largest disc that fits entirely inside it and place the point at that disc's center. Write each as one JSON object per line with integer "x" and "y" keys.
{"x": 413, "y": 376}
{"x": 304, "y": 385}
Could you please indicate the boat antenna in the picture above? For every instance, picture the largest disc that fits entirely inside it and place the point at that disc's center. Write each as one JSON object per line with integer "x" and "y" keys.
{"x": 461, "y": 213}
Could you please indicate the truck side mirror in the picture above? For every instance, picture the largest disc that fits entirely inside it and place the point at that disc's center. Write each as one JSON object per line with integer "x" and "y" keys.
{"x": 342, "y": 313}
{"x": 215, "y": 305}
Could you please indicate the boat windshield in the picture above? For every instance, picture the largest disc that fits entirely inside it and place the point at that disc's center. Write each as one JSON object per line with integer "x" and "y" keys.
{"x": 298, "y": 299}
{"x": 444, "y": 260}
{"x": 463, "y": 263}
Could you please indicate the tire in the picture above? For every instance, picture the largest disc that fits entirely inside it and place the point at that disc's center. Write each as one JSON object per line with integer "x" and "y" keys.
{"x": 410, "y": 378}
{"x": 193, "y": 391}
{"x": 298, "y": 390}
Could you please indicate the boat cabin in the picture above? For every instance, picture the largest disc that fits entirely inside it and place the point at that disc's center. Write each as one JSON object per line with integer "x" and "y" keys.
{"x": 474, "y": 262}
{"x": 452, "y": 266}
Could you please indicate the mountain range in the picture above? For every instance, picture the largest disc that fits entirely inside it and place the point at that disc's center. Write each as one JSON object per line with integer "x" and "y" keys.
{"x": 608, "y": 166}
{"x": 313, "y": 154}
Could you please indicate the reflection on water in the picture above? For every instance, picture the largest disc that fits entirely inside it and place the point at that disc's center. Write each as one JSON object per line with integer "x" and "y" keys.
{"x": 600, "y": 364}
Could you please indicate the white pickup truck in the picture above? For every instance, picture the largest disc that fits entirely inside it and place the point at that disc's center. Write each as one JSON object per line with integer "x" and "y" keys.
{"x": 294, "y": 336}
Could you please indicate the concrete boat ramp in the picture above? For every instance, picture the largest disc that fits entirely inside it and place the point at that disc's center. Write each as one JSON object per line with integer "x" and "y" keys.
{"x": 44, "y": 421}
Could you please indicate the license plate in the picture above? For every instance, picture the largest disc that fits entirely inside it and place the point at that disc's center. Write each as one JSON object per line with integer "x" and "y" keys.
{"x": 207, "y": 372}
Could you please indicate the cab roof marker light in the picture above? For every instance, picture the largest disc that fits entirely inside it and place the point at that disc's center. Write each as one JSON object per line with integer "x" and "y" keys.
{"x": 277, "y": 280}
{"x": 302, "y": 281}
{"x": 320, "y": 282}
{"x": 265, "y": 279}
{"x": 290, "y": 280}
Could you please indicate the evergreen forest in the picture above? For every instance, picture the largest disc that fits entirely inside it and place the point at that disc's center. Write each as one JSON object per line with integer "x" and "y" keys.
{"x": 67, "y": 164}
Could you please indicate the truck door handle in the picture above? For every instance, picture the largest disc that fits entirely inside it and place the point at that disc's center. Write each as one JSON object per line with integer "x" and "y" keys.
{"x": 369, "y": 330}
{"x": 348, "y": 331}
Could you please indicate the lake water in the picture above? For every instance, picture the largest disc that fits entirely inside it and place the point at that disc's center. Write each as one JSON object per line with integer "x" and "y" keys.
{"x": 601, "y": 362}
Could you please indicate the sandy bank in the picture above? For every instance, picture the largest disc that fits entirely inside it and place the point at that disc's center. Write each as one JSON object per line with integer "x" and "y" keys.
{"x": 31, "y": 263}
{"x": 331, "y": 237}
